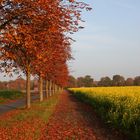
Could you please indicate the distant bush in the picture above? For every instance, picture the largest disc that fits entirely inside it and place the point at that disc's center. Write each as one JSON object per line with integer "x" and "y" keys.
{"x": 10, "y": 94}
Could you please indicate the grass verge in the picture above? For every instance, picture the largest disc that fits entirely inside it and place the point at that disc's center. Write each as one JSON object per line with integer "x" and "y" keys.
{"x": 8, "y": 95}
{"x": 27, "y": 124}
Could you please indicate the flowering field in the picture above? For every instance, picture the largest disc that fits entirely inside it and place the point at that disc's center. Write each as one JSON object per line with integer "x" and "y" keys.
{"x": 117, "y": 106}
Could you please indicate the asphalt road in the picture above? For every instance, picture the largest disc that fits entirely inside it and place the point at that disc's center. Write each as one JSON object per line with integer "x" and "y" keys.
{"x": 15, "y": 105}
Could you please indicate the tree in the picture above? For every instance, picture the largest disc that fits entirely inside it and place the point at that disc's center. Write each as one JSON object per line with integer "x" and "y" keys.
{"x": 71, "y": 81}
{"x": 129, "y": 82}
{"x": 88, "y": 81}
{"x": 13, "y": 12}
{"x": 105, "y": 81}
{"x": 30, "y": 39}
{"x": 137, "y": 81}
{"x": 80, "y": 82}
{"x": 118, "y": 80}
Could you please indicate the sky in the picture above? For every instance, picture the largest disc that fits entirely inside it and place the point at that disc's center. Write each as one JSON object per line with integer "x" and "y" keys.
{"x": 110, "y": 42}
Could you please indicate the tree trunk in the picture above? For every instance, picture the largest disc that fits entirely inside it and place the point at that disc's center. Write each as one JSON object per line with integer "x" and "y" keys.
{"x": 55, "y": 88}
{"x": 47, "y": 88}
{"x": 28, "y": 94}
{"x": 50, "y": 87}
{"x": 41, "y": 88}
{"x": 59, "y": 89}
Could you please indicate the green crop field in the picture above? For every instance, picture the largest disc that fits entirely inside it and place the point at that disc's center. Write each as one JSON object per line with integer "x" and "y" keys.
{"x": 118, "y": 106}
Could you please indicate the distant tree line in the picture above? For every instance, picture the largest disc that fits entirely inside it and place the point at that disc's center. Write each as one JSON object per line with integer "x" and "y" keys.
{"x": 18, "y": 84}
{"x": 117, "y": 80}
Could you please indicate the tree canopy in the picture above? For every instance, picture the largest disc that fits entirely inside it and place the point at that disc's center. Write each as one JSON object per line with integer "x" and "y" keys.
{"x": 35, "y": 37}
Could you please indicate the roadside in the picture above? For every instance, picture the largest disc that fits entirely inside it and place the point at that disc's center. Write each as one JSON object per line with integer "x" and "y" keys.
{"x": 26, "y": 124}
{"x": 5, "y": 107}
{"x": 60, "y": 117}
{"x": 7, "y": 96}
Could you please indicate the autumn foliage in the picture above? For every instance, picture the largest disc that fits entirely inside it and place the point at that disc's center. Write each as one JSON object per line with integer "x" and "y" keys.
{"x": 35, "y": 37}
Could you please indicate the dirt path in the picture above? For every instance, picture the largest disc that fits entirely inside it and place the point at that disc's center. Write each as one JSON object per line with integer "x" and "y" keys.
{"x": 73, "y": 120}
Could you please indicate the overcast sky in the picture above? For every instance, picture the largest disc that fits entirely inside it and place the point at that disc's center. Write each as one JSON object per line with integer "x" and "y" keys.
{"x": 110, "y": 42}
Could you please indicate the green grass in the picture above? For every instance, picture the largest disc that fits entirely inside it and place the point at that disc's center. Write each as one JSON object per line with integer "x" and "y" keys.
{"x": 6, "y": 95}
{"x": 28, "y": 123}
{"x": 40, "y": 110}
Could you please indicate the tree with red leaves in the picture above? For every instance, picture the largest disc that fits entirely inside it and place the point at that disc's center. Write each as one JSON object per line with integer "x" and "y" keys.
{"x": 33, "y": 37}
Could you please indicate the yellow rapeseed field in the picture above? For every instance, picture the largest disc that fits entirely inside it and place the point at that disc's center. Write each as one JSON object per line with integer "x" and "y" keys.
{"x": 117, "y": 106}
